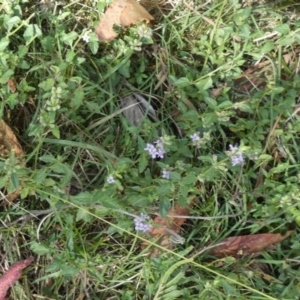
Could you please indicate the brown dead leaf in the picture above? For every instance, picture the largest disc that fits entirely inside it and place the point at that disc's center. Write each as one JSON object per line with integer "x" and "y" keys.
{"x": 247, "y": 244}
{"x": 162, "y": 228}
{"x": 120, "y": 12}
{"x": 12, "y": 85}
{"x": 8, "y": 143}
{"x": 12, "y": 275}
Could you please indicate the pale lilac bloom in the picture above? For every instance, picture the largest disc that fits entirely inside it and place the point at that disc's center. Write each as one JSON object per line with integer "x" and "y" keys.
{"x": 140, "y": 223}
{"x": 165, "y": 174}
{"x": 237, "y": 157}
{"x": 86, "y": 38}
{"x": 110, "y": 179}
{"x": 157, "y": 150}
{"x": 195, "y": 136}
{"x": 152, "y": 150}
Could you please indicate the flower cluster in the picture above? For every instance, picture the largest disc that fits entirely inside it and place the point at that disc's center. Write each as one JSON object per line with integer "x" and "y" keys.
{"x": 141, "y": 223}
{"x": 156, "y": 150}
{"x": 237, "y": 157}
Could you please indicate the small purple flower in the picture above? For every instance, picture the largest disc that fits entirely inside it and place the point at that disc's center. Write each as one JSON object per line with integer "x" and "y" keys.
{"x": 237, "y": 157}
{"x": 195, "y": 136}
{"x": 141, "y": 223}
{"x": 152, "y": 150}
{"x": 165, "y": 174}
{"x": 157, "y": 150}
{"x": 110, "y": 179}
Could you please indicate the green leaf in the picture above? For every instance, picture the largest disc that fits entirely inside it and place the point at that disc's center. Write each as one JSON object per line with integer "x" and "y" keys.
{"x": 69, "y": 37}
{"x": 165, "y": 188}
{"x": 267, "y": 47}
{"x": 77, "y": 100}
{"x": 4, "y": 42}
{"x": 212, "y": 103}
{"x": 15, "y": 180}
{"x": 47, "y": 85}
{"x": 184, "y": 190}
{"x": 143, "y": 163}
{"x": 175, "y": 177}
{"x": 32, "y": 31}
{"x": 63, "y": 15}
{"x": 204, "y": 84}
{"x": 70, "y": 56}
{"x": 6, "y": 76}
{"x": 110, "y": 202}
{"x": 125, "y": 69}
{"x": 164, "y": 206}
{"x": 24, "y": 192}
{"x": 55, "y": 131}
{"x": 189, "y": 179}
{"x": 287, "y": 41}
{"x": 283, "y": 29}
{"x": 182, "y": 82}
{"x": 39, "y": 249}
{"x": 85, "y": 198}
{"x": 48, "y": 158}
{"x": 94, "y": 46}
{"x": 12, "y": 22}
{"x": 84, "y": 215}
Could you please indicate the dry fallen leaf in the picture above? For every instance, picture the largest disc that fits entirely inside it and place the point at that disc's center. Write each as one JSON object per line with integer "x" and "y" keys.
{"x": 12, "y": 85}
{"x": 12, "y": 275}
{"x": 166, "y": 229}
{"x": 238, "y": 246}
{"x": 8, "y": 143}
{"x": 120, "y": 12}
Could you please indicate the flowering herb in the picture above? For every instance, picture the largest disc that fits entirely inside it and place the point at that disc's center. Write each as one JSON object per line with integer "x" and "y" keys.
{"x": 237, "y": 157}
{"x": 141, "y": 223}
{"x": 157, "y": 150}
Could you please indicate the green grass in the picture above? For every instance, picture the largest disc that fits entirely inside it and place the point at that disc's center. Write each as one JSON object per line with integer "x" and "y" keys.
{"x": 68, "y": 117}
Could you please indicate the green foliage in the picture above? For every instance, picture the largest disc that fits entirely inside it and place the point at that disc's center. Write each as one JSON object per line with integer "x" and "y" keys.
{"x": 88, "y": 172}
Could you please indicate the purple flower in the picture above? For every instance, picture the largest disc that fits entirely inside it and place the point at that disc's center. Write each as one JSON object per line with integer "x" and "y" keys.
{"x": 195, "y": 136}
{"x": 156, "y": 151}
{"x": 141, "y": 223}
{"x": 165, "y": 174}
{"x": 237, "y": 157}
{"x": 110, "y": 179}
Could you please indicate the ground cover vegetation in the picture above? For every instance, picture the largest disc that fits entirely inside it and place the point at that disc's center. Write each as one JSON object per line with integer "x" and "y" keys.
{"x": 196, "y": 110}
